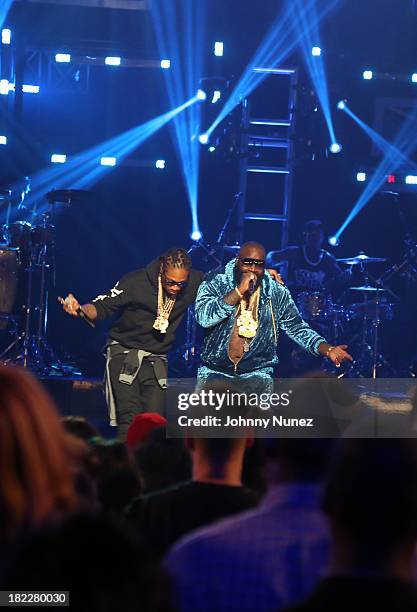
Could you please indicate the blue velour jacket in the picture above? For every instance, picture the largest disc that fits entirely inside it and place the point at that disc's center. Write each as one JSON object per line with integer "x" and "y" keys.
{"x": 277, "y": 310}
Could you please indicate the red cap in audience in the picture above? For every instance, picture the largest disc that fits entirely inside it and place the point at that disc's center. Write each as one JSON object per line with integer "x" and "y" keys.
{"x": 141, "y": 427}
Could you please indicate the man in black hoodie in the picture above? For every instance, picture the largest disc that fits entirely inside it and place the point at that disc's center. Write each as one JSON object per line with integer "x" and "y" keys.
{"x": 151, "y": 303}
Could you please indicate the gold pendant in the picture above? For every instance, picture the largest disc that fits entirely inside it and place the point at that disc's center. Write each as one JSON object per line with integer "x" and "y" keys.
{"x": 161, "y": 324}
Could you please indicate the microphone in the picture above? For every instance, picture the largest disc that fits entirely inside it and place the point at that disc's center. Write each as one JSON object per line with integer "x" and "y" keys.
{"x": 251, "y": 286}
{"x": 84, "y": 316}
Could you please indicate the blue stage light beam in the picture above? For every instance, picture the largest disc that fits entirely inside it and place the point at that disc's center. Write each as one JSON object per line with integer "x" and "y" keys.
{"x": 308, "y": 32}
{"x": 4, "y": 10}
{"x": 83, "y": 170}
{"x": 379, "y": 140}
{"x": 396, "y": 155}
{"x": 182, "y": 81}
{"x": 279, "y": 42}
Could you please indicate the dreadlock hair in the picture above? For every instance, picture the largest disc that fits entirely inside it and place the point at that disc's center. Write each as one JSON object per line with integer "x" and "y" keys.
{"x": 176, "y": 258}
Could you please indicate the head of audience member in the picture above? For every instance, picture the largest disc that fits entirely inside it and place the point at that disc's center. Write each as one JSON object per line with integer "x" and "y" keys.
{"x": 371, "y": 500}
{"x": 219, "y": 456}
{"x": 116, "y": 475}
{"x": 162, "y": 461}
{"x": 141, "y": 427}
{"x": 38, "y": 459}
{"x": 101, "y": 563}
{"x": 79, "y": 427}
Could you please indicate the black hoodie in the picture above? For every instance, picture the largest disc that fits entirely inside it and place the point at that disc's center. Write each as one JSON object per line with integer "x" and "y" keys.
{"x": 135, "y": 299}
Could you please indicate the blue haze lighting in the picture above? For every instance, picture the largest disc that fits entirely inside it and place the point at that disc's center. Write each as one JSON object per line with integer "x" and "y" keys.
{"x": 3, "y": 140}
{"x": 4, "y": 10}
{"x": 196, "y": 235}
{"x": 32, "y": 89}
{"x": 218, "y": 48}
{"x": 112, "y": 61}
{"x": 281, "y": 39}
{"x": 341, "y": 105}
{"x": 160, "y": 164}
{"x": 58, "y": 158}
{"x": 108, "y": 161}
{"x": 180, "y": 35}
{"x": 334, "y": 241}
{"x": 307, "y": 30}
{"x": 335, "y": 147}
{"x": 203, "y": 138}
{"x": 201, "y": 95}
{"x": 63, "y": 58}
{"x": 367, "y": 75}
{"x": 361, "y": 177}
{"x": 6, "y": 36}
{"x": 396, "y": 154}
{"x": 165, "y": 64}
{"x": 82, "y": 171}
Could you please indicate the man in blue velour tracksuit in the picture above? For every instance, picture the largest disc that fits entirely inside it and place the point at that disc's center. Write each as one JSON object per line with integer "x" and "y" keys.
{"x": 242, "y": 310}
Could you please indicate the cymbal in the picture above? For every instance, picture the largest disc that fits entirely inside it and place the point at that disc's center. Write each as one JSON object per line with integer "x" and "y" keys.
{"x": 360, "y": 259}
{"x": 66, "y": 196}
{"x": 366, "y": 288}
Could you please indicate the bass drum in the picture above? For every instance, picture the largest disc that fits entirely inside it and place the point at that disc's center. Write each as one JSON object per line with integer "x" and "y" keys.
{"x": 313, "y": 305}
{"x": 9, "y": 271}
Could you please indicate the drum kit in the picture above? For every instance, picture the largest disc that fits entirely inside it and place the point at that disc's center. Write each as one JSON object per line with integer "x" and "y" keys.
{"x": 27, "y": 273}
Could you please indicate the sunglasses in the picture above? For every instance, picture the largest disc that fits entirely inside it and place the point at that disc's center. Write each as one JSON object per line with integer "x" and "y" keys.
{"x": 248, "y": 261}
{"x": 172, "y": 283}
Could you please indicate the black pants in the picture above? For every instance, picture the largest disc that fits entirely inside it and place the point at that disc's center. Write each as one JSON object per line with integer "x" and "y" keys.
{"x": 143, "y": 395}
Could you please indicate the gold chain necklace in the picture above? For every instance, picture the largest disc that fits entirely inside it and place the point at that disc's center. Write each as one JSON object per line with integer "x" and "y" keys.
{"x": 247, "y": 321}
{"x": 164, "y": 309}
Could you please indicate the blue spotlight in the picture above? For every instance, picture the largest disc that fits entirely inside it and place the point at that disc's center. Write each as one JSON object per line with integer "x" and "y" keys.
{"x": 32, "y": 89}
{"x": 411, "y": 179}
{"x": 203, "y": 138}
{"x": 281, "y": 40}
{"x": 212, "y": 149}
{"x": 217, "y": 94}
{"x": 361, "y": 177}
{"x": 201, "y": 95}
{"x": 3, "y": 140}
{"x": 367, "y": 75}
{"x": 196, "y": 235}
{"x": 341, "y": 105}
{"x": 316, "y": 51}
{"x": 108, "y": 161}
{"x": 57, "y": 158}
{"x": 6, "y": 36}
{"x": 112, "y": 61}
{"x": 160, "y": 164}
{"x": 414, "y": 77}
{"x": 335, "y": 147}
{"x": 165, "y": 64}
{"x": 4, "y": 87}
{"x": 218, "y": 48}
{"x": 334, "y": 241}
{"x": 63, "y": 58}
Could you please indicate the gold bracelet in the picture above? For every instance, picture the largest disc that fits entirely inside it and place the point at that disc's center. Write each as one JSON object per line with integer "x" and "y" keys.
{"x": 239, "y": 293}
{"x": 328, "y": 351}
